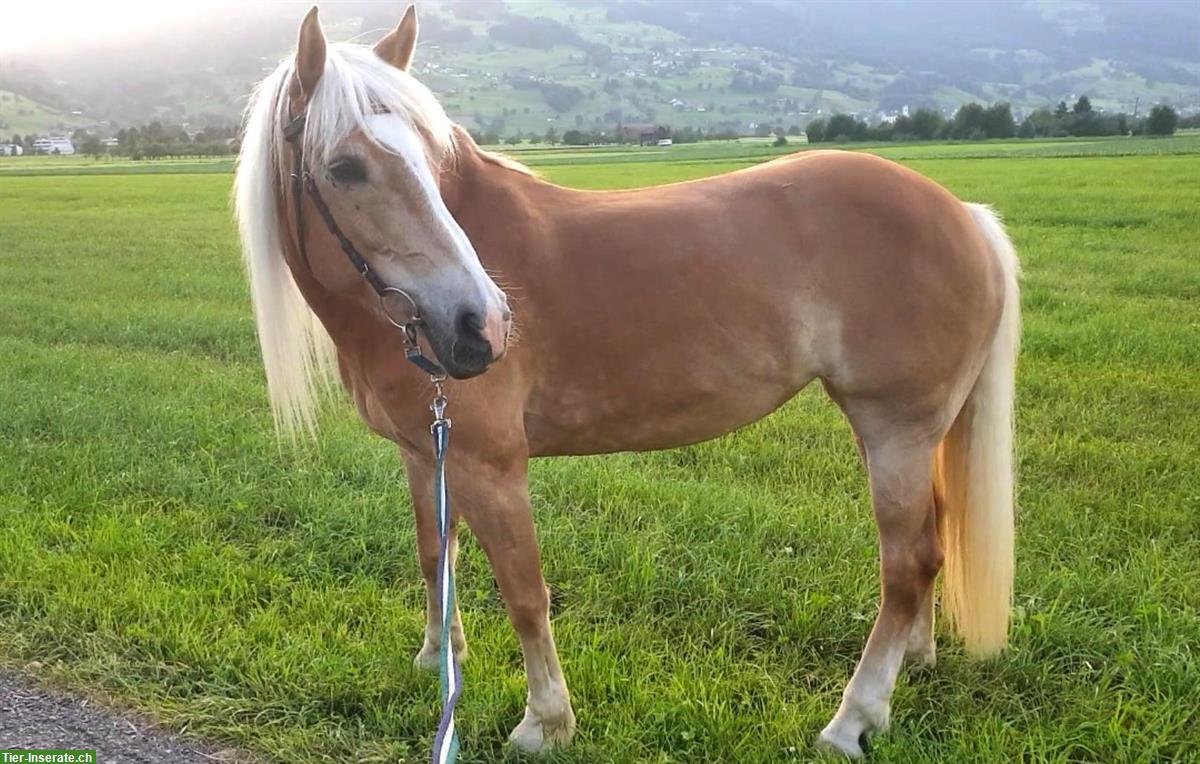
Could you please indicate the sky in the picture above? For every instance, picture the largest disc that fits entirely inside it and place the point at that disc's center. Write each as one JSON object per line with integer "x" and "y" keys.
{"x": 32, "y": 25}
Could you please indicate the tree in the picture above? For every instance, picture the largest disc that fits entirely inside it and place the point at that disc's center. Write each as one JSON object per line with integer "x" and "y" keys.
{"x": 815, "y": 131}
{"x": 1040, "y": 122}
{"x": 551, "y": 136}
{"x": 92, "y": 146}
{"x": 1162, "y": 120}
{"x": 1061, "y": 110}
{"x": 512, "y": 140}
{"x": 780, "y": 140}
{"x": 998, "y": 121}
{"x": 1082, "y": 106}
{"x": 561, "y": 97}
{"x": 926, "y": 124}
{"x": 968, "y": 121}
{"x": 576, "y": 138}
{"x": 843, "y": 127}
{"x": 128, "y": 140}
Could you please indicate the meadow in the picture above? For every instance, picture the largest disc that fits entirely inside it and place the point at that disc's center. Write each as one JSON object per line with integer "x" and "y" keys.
{"x": 160, "y": 549}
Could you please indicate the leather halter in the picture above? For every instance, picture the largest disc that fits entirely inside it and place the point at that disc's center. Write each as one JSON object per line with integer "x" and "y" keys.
{"x": 302, "y": 180}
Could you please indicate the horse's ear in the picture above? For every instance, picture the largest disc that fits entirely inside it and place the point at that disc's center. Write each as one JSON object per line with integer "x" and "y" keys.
{"x": 397, "y": 46}
{"x": 310, "y": 57}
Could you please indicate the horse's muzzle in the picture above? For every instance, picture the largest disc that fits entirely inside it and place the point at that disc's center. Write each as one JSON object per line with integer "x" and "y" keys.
{"x": 473, "y": 343}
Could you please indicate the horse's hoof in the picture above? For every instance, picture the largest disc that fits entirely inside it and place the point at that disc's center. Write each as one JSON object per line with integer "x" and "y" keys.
{"x": 850, "y": 731}
{"x": 534, "y": 735}
{"x": 429, "y": 657}
{"x": 832, "y": 743}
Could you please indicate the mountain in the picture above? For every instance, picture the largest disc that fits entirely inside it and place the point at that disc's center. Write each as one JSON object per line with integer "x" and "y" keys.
{"x": 529, "y": 65}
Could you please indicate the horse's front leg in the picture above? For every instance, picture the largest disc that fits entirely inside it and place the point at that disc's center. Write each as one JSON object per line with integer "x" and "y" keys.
{"x": 420, "y": 485}
{"x": 493, "y": 496}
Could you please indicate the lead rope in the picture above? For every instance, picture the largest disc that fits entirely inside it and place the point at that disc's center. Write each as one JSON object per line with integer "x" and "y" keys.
{"x": 445, "y": 743}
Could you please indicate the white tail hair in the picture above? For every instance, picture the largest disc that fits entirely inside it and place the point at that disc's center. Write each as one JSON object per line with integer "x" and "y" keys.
{"x": 297, "y": 352}
{"x": 974, "y": 476}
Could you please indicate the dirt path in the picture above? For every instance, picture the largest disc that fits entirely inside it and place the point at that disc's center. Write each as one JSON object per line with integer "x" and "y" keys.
{"x": 34, "y": 717}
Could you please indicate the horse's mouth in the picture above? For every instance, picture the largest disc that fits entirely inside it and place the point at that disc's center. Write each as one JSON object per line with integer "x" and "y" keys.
{"x": 462, "y": 354}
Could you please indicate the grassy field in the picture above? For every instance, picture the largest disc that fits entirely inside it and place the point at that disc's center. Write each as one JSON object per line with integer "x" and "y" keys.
{"x": 737, "y": 153}
{"x": 159, "y": 548}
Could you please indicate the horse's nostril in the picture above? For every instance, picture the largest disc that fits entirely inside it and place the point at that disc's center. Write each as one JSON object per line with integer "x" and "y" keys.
{"x": 470, "y": 323}
{"x": 506, "y": 315}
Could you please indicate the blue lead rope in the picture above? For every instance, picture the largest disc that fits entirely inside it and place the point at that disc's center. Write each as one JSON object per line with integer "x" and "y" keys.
{"x": 445, "y": 744}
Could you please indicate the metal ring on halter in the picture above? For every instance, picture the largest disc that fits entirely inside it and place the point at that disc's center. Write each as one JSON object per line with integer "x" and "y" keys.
{"x": 408, "y": 331}
{"x": 405, "y": 326}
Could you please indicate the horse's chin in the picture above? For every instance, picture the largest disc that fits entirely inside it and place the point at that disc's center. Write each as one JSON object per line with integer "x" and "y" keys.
{"x": 458, "y": 371}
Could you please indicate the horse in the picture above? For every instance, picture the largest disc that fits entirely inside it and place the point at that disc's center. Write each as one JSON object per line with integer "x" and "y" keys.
{"x": 634, "y": 320}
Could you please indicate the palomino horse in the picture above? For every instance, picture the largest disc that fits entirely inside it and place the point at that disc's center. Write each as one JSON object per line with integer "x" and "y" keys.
{"x": 648, "y": 319}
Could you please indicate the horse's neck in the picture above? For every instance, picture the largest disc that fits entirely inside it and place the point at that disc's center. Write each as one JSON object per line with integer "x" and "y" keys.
{"x": 506, "y": 212}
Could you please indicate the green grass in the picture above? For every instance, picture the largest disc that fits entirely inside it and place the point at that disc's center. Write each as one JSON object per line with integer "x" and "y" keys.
{"x": 78, "y": 164}
{"x": 741, "y": 152}
{"x": 158, "y": 547}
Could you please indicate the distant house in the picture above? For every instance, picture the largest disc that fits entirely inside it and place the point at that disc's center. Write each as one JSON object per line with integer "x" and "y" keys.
{"x": 54, "y": 145}
{"x": 10, "y": 150}
{"x": 646, "y": 135}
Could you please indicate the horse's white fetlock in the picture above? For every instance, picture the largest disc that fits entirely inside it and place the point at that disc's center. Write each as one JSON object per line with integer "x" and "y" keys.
{"x": 854, "y": 721}
{"x": 535, "y": 734}
{"x": 429, "y": 657}
{"x": 836, "y": 741}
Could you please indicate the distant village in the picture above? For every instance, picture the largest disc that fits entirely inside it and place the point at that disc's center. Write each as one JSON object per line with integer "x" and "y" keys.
{"x": 151, "y": 141}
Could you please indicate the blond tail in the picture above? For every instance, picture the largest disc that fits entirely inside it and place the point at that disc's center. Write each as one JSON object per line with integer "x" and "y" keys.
{"x": 973, "y": 477}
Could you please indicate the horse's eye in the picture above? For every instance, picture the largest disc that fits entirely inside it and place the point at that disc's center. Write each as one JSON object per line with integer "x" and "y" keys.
{"x": 348, "y": 170}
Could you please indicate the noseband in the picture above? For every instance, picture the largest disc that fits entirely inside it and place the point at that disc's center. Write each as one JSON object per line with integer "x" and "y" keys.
{"x": 302, "y": 180}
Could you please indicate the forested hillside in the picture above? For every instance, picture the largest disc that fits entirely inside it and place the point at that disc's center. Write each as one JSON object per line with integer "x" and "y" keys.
{"x": 528, "y": 66}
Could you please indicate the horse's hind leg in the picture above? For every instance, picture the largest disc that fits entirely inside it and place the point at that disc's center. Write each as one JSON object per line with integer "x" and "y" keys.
{"x": 921, "y": 652}
{"x": 922, "y": 649}
{"x": 900, "y": 468}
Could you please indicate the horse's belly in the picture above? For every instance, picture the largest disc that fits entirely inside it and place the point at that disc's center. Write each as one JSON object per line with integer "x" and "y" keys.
{"x": 650, "y": 416}
{"x": 690, "y": 375}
